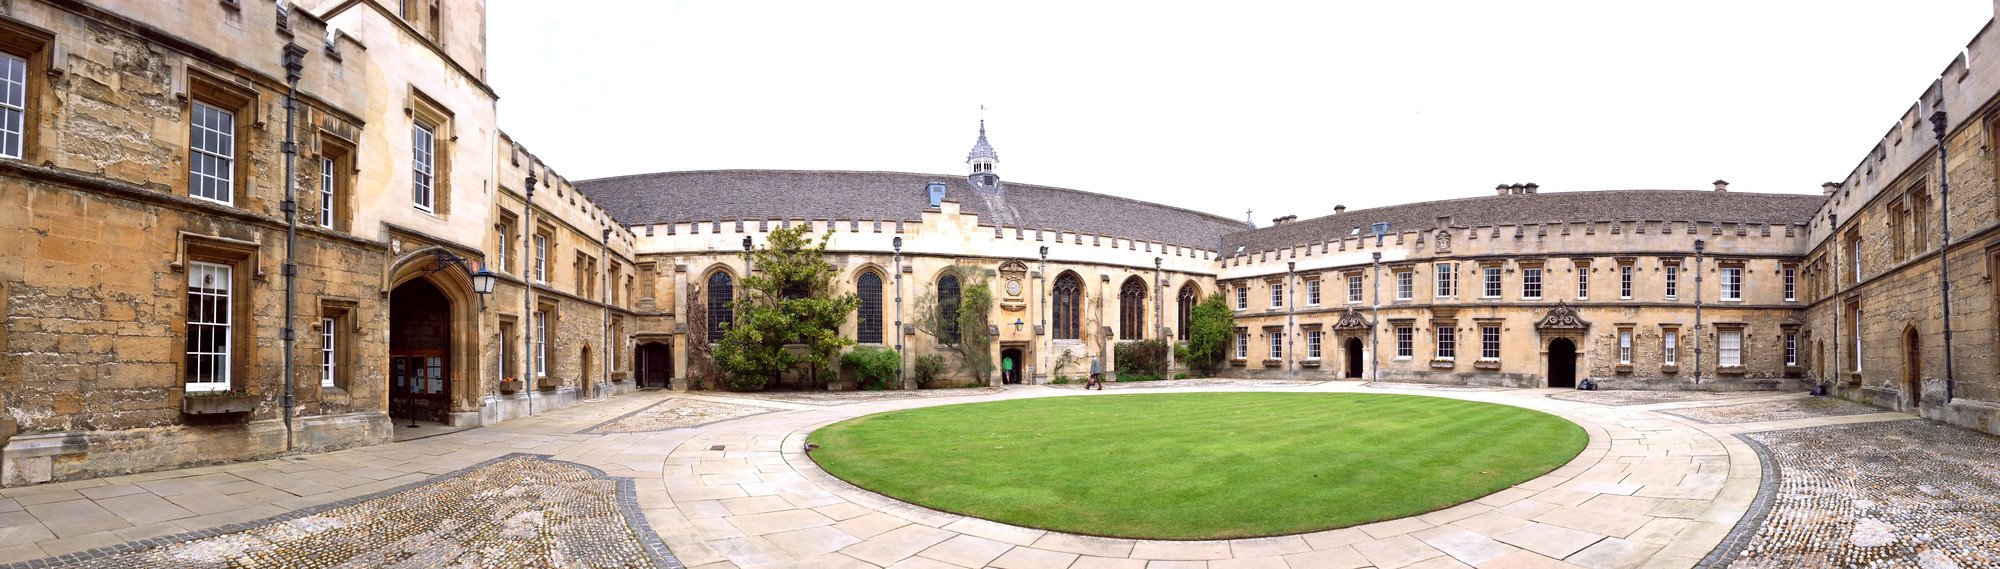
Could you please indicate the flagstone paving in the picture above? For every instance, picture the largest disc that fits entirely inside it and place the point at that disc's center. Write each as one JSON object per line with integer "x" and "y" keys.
{"x": 675, "y": 413}
{"x": 1204, "y": 382}
{"x": 1650, "y": 490}
{"x": 1778, "y": 410}
{"x": 1621, "y": 398}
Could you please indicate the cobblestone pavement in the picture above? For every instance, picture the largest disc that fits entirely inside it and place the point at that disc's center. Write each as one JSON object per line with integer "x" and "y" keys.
{"x": 1779, "y": 410}
{"x": 512, "y": 512}
{"x": 848, "y": 397}
{"x": 1626, "y": 397}
{"x": 1649, "y": 490}
{"x": 1205, "y": 382}
{"x": 1886, "y": 494}
{"x": 674, "y": 414}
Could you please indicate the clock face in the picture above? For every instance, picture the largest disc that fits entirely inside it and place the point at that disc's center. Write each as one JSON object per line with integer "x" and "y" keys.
{"x": 1014, "y": 287}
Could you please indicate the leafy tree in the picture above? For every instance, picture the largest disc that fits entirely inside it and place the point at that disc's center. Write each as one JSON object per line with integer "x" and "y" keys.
{"x": 789, "y": 300}
{"x": 965, "y": 333}
{"x": 1209, "y": 330}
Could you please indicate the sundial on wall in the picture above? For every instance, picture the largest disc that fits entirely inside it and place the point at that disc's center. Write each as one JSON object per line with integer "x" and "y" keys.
{"x": 1012, "y": 275}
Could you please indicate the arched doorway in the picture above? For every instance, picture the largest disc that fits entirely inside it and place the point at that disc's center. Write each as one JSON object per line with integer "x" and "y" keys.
{"x": 1010, "y": 366}
{"x": 589, "y": 372}
{"x": 656, "y": 364}
{"x": 1562, "y": 363}
{"x": 1354, "y": 358}
{"x": 1913, "y": 367}
{"x": 420, "y": 335}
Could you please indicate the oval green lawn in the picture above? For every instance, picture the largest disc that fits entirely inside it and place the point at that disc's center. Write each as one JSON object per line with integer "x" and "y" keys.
{"x": 1197, "y": 465}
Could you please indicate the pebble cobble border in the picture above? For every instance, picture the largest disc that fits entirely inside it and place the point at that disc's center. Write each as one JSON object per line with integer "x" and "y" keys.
{"x": 628, "y": 502}
{"x": 588, "y": 430}
{"x": 1746, "y": 528}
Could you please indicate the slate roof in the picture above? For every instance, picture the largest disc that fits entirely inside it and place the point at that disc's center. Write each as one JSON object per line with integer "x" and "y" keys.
{"x": 1551, "y": 207}
{"x": 669, "y": 197}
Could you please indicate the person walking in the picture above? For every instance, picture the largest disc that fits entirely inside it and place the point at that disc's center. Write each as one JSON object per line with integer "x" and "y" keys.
{"x": 1096, "y": 376}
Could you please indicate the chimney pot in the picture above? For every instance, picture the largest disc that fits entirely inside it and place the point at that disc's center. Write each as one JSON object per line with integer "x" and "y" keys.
{"x": 1530, "y": 187}
{"x": 1502, "y": 188}
{"x": 1721, "y": 185}
{"x": 1339, "y": 209}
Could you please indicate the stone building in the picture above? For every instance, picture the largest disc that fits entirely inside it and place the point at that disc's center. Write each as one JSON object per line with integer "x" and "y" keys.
{"x": 1072, "y": 272}
{"x": 143, "y": 236}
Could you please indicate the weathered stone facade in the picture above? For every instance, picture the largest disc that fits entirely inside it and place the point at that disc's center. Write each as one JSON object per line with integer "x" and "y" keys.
{"x": 107, "y": 215}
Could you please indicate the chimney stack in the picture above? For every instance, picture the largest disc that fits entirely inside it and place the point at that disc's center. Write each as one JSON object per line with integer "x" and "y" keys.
{"x": 1339, "y": 209}
{"x": 1514, "y": 190}
{"x": 1721, "y": 185}
{"x": 1829, "y": 188}
{"x": 1500, "y": 189}
{"x": 1283, "y": 220}
{"x": 1529, "y": 188}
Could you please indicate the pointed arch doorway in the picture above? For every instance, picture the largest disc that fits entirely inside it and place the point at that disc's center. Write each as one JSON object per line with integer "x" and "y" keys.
{"x": 420, "y": 371}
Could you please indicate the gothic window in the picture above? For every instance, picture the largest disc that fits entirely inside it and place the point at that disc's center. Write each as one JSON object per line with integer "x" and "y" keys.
{"x": 948, "y": 299}
{"x": 1132, "y": 310}
{"x": 721, "y": 304}
{"x": 1187, "y": 302}
{"x": 868, "y": 323}
{"x": 1068, "y": 310}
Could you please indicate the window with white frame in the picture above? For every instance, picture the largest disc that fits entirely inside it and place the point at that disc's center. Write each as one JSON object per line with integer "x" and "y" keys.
{"x": 1732, "y": 283}
{"x": 1243, "y": 297}
{"x": 1729, "y": 348}
{"x": 1583, "y": 281}
{"x": 325, "y": 192}
{"x": 1406, "y": 285}
{"x": 209, "y": 325}
{"x": 1791, "y": 283}
{"x": 1791, "y": 349}
{"x": 423, "y": 166}
{"x": 1673, "y": 281}
{"x": 13, "y": 105}
{"x": 1277, "y": 295}
{"x": 541, "y": 259}
{"x": 326, "y": 344}
{"x": 1492, "y": 283}
{"x": 1353, "y": 289}
{"x": 1447, "y": 342}
{"x": 1242, "y": 345}
{"x": 1531, "y": 283}
{"x": 1489, "y": 342}
{"x": 1447, "y": 280}
{"x": 1855, "y": 330}
{"x": 1625, "y": 281}
{"x": 1312, "y": 344}
{"x": 1624, "y": 347}
{"x": 541, "y": 342}
{"x": 1277, "y": 344}
{"x": 212, "y": 154}
{"x": 1406, "y": 341}
{"x": 1312, "y": 292}
{"x": 1670, "y": 347}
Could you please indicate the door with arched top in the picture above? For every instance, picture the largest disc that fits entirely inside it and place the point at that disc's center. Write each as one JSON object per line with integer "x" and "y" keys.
{"x": 1562, "y": 363}
{"x": 1354, "y": 363}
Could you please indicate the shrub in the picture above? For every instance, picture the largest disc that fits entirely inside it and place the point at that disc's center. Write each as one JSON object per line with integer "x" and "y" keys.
{"x": 1059, "y": 381}
{"x": 1210, "y": 330}
{"x": 1180, "y": 376}
{"x": 930, "y": 367}
{"x": 1124, "y": 377}
{"x": 873, "y": 368}
{"x": 1143, "y": 357}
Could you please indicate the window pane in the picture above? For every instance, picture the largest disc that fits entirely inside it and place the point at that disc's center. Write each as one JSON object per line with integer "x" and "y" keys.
{"x": 421, "y": 163}
{"x": 211, "y": 153}
{"x": 868, "y": 326}
{"x": 208, "y": 326}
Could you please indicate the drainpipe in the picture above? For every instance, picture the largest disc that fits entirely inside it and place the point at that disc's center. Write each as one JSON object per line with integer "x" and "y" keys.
{"x": 604, "y": 274}
{"x": 1160, "y": 312}
{"x": 1375, "y": 317}
{"x": 1044, "y": 294}
{"x": 1944, "y": 252}
{"x": 530, "y": 257}
{"x": 1291, "y": 305}
{"x": 897, "y": 243}
{"x": 1700, "y": 245}
{"x": 1833, "y": 235}
{"x": 294, "y": 62}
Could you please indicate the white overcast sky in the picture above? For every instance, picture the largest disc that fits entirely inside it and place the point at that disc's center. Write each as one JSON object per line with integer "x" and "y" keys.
{"x": 1282, "y": 108}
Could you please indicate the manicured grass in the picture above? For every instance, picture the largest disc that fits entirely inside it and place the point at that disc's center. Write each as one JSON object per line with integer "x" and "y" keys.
{"x": 1197, "y": 465}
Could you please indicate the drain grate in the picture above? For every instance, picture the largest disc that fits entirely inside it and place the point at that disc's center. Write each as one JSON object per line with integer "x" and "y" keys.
{"x": 716, "y": 447}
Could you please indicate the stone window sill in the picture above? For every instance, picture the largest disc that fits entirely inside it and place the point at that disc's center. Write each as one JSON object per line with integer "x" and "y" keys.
{"x": 1309, "y": 363}
{"x": 1624, "y": 368}
{"x": 1730, "y": 370}
{"x": 1670, "y": 368}
{"x": 1486, "y": 364}
{"x": 1239, "y": 363}
{"x": 1444, "y": 363}
{"x": 1268, "y": 364}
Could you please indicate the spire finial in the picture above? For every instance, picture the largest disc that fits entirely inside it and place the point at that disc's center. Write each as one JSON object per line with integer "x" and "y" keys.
{"x": 982, "y": 121}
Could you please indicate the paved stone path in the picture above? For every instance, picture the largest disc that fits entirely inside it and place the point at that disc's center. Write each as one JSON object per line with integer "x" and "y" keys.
{"x": 1649, "y": 490}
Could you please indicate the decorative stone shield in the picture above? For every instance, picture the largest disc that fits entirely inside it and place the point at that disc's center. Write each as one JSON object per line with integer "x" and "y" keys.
{"x": 1352, "y": 320}
{"x": 1562, "y": 317}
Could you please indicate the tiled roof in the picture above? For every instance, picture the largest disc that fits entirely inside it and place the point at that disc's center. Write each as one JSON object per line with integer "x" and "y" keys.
{"x": 1551, "y": 207}
{"x": 669, "y": 197}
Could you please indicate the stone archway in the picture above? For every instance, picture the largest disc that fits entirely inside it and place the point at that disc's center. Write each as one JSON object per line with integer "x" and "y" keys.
{"x": 439, "y": 315}
{"x": 1562, "y": 363}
